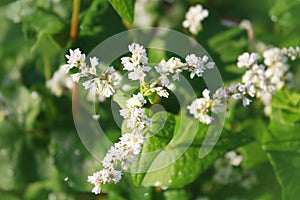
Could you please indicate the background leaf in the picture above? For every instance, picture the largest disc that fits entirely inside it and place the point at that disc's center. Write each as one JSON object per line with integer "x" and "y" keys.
{"x": 124, "y": 8}
{"x": 282, "y": 142}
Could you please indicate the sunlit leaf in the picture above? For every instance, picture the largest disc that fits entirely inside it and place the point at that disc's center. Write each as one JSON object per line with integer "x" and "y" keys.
{"x": 124, "y": 8}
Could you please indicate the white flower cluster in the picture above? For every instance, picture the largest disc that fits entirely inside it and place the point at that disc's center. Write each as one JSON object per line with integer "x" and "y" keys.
{"x": 202, "y": 108}
{"x": 59, "y": 82}
{"x": 125, "y": 151}
{"x": 194, "y": 17}
{"x": 247, "y": 60}
{"x": 260, "y": 80}
{"x": 99, "y": 85}
{"x": 102, "y": 177}
{"x": 135, "y": 115}
{"x": 136, "y": 64}
{"x": 105, "y": 84}
{"x": 265, "y": 79}
{"x": 195, "y": 65}
{"x": 292, "y": 52}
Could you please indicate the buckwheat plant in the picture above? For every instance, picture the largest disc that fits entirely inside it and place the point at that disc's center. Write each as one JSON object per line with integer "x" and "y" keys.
{"x": 123, "y": 153}
{"x": 259, "y": 80}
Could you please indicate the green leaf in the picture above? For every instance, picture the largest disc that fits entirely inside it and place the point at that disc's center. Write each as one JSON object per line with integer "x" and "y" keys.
{"x": 282, "y": 6}
{"x": 155, "y": 144}
{"x": 24, "y": 158}
{"x": 282, "y": 143}
{"x": 72, "y": 159}
{"x": 162, "y": 147}
{"x": 11, "y": 146}
{"x": 152, "y": 98}
{"x": 253, "y": 155}
{"x": 285, "y": 14}
{"x": 89, "y": 26}
{"x": 124, "y": 8}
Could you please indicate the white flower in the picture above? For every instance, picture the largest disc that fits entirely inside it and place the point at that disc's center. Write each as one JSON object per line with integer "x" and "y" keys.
{"x": 94, "y": 63}
{"x": 220, "y": 94}
{"x": 162, "y": 67}
{"x": 274, "y": 55}
{"x": 104, "y": 85}
{"x": 138, "y": 53}
{"x": 255, "y": 76}
{"x": 75, "y": 59}
{"x": 107, "y": 91}
{"x": 96, "y": 117}
{"x": 246, "y": 101}
{"x": 59, "y": 82}
{"x": 132, "y": 142}
{"x": 137, "y": 100}
{"x": 200, "y": 108}
{"x": 265, "y": 97}
{"x": 136, "y": 63}
{"x": 159, "y": 90}
{"x": 276, "y": 74}
{"x": 125, "y": 151}
{"x": 75, "y": 77}
{"x": 193, "y": 18}
{"x": 234, "y": 158}
{"x": 164, "y": 80}
{"x": 137, "y": 119}
{"x": 197, "y": 65}
{"x": 237, "y": 96}
{"x": 96, "y": 179}
{"x": 172, "y": 66}
{"x": 135, "y": 115}
{"x": 237, "y": 91}
{"x": 291, "y": 52}
{"x": 104, "y": 176}
{"x": 113, "y": 156}
{"x": 128, "y": 65}
{"x": 114, "y": 176}
{"x": 137, "y": 74}
{"x": 232, "y": 89}
{"x": 247, "y": 60}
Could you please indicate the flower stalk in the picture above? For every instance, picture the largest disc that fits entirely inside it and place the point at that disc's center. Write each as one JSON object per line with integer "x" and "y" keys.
{"x": 74, "y": 22}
